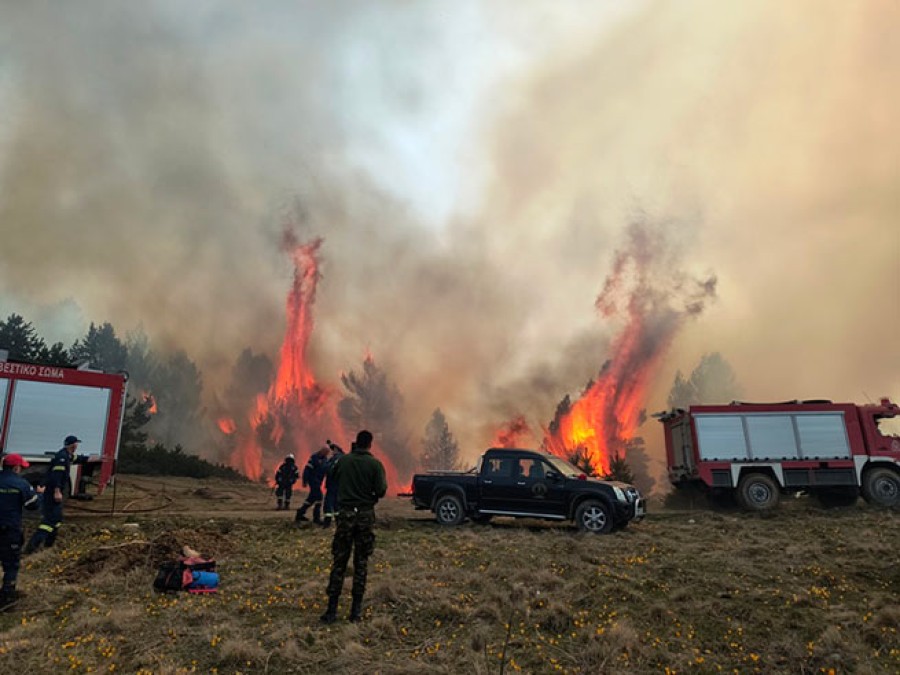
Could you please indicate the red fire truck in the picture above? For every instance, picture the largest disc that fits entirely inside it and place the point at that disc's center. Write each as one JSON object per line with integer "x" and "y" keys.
{"x": 41, "y": 405}
{"x": 756, "y": 452}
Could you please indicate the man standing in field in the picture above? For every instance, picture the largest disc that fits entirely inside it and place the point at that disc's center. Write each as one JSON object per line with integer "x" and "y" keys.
{"x": 15, "y": 494}
{"x": 56, "y": 483}
{"x": 331, "y": 484}
{"x": 361, "y": 483}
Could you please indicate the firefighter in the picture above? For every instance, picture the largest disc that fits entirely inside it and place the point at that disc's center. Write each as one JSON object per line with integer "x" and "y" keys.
{"x": 56, "y": 484}
{"x": 15, "y": 493}
{"x": 285, "y": 478}
{"x": 331, "y": 484}
{"x": 313, "y": 473}
{"x": 361, "y": 484}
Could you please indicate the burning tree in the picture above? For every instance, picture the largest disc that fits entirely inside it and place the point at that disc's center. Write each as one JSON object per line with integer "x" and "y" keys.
{"x": 296, "y": 413}
{"x": 648, "y": 293}
{"x": 619, "y": 470}
{"x": 439, "y": 448}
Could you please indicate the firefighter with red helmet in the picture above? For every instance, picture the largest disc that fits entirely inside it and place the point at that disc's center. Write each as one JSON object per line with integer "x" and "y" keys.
{"x": 15, "y": 494}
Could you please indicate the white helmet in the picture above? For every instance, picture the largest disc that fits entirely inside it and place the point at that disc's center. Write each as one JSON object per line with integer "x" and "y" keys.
{"x": 290, "y": 455}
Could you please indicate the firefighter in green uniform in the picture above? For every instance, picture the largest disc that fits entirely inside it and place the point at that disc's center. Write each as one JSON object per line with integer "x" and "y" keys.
{"x": 361, "y": 483}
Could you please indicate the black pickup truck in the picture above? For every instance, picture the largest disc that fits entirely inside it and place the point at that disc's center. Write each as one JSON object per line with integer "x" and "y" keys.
{"x": 527, "y": 484}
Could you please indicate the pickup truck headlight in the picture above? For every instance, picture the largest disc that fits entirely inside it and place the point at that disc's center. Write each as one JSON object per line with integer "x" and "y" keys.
{"x": 620, "y": 494}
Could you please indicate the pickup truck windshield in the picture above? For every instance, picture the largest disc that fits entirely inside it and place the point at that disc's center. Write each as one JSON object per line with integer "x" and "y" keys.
{"x": 564, "y": 467}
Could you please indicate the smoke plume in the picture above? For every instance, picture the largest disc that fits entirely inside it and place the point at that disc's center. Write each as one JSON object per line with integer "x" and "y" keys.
{"x": 471, "y": 175}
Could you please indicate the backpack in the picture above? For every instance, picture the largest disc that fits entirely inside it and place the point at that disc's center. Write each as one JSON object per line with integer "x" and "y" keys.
{"x": 169, "y": 577}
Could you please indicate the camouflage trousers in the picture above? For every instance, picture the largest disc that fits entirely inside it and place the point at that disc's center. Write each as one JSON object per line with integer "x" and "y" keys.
{"x": 353, "y": 534}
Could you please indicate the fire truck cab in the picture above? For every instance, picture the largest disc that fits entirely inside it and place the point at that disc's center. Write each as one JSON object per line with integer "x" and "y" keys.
{"x": 41, "y": 405}
{"x": 757, "y": 452}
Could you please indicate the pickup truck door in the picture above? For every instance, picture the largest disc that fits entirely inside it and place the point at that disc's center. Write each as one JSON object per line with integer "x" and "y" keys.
{"x": 519, "y": 485}
{"x": 497, "y": 487}
{"x": 536, "y": 492}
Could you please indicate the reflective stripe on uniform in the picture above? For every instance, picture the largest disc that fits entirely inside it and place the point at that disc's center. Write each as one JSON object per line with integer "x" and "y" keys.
{"x": 59, "y": 468}
{"x": 45, "y": 527}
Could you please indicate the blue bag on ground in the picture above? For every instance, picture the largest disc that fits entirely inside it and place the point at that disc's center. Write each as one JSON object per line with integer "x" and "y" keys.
{"x": 205, "y": 580}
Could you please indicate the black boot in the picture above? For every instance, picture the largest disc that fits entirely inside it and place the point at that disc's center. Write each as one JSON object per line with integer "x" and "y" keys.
{"x": 34, "y": 543}
{"x": 317, "y": 511}
{"x": 330, "y": 615}
{"x": 280, "y": 506}
{"x": 356, "y": 609}
{"x": 301, "y": 513}
{"x": 326, "y": 522}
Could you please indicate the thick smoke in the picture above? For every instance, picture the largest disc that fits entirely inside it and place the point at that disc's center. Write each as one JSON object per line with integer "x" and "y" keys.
{"x": 470, "y": 174}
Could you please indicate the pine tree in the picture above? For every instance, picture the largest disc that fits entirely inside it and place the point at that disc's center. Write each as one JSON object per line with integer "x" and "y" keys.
{"x": 712, "y": 381}
{"x": 101, "y": 349}
{"x": 178, "y": 390}
{"x": 579, "y": 458}
{"x": 55, "y": 355}
{"x": 639, "y": 464}
{"x": 20, "y": 339}
{"x": 619, "y": 470}
{"x": 373, "y": 402}
{"x": 137, "y": 415}
{"x": 439, "y": 449}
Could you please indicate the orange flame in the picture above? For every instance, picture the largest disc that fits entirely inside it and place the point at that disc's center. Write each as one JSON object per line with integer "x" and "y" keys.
{"x": 600, "y": 424}
{"x": 511, "y": 434}
{"x": 147, "y": 397}
{"x": 226, "y": 425}
{"x": 297, "y": 413}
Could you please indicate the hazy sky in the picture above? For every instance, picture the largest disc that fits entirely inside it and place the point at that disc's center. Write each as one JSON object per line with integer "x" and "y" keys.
{"x": 472, "y": 167}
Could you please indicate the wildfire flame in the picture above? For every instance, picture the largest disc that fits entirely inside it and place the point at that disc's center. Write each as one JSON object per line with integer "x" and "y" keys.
{"x": 600, "y": 424}
{"x": 226, "y": 425}
{"x": 297, "y": 413}
{"x": 147, "y": 397}
{"x": 511, "y": 433}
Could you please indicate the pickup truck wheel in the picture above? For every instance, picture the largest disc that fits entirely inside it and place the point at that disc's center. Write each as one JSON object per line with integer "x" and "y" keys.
{"x": 593, "y": 516}
{"x": 881, "y": 487}
{"x": 758, "y": 492}
{"x": 449, "y": 510}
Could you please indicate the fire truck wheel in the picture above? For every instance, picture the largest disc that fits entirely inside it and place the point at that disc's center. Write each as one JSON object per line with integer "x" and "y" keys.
{"x": 449, "y": 510}
{"x": 881, "y": 486}
{"x": 758, "y": 492}
{"x": 594, "y": 516}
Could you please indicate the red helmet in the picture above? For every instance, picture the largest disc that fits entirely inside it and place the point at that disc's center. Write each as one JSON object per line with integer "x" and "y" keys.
{"x": 15, "y": 460}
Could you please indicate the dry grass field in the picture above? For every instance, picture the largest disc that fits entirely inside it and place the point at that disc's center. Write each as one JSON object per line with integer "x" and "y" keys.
{"x": 689, "y": 591}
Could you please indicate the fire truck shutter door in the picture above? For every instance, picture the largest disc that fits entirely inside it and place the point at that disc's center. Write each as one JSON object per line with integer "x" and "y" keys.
{"x": 44, "y": 413}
